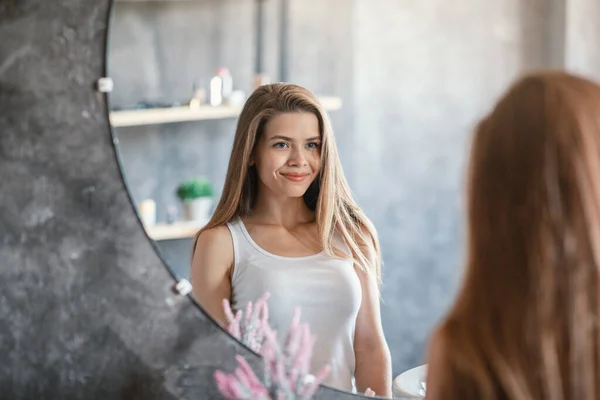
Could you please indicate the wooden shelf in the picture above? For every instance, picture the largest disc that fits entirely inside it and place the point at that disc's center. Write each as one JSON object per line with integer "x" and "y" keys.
{"x": 152, "y": 116}
{"x": 176, "y": 230}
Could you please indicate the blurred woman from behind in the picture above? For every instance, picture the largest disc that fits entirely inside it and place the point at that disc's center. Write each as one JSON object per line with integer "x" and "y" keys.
{"x": 525, "y": 324}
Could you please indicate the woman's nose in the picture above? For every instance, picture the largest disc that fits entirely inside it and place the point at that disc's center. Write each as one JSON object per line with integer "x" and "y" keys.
{"x": 297, "y": 158}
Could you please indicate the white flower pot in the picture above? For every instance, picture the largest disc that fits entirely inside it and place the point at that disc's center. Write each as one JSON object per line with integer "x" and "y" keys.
{"x": 197, "y": 209}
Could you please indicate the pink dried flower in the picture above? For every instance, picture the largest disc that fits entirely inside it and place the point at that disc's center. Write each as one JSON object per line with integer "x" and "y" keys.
{"x": 228, "y": 386}
{"x": 286, "y": 368}
{"x": 228, "y": 313}
{"x": 249, "y": 330}
{"x": 248, "y": 377}
{"x": 293, "y": 339}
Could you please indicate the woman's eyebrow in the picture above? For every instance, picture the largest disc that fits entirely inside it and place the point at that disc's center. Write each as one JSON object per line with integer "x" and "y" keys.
{"x": 289, "y": 139}
{"x": 281, "y": 137}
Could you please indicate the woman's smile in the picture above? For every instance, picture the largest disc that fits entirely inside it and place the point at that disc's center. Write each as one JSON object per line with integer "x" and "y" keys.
{"x": 296, "y": 176}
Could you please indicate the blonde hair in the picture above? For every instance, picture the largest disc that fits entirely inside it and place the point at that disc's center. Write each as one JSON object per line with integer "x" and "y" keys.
{"x": 526, "y": 323}
{"x": 329, "y": 195}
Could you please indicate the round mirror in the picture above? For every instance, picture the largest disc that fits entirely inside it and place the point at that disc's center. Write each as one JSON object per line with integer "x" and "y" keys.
{"x": 183, "y": 70}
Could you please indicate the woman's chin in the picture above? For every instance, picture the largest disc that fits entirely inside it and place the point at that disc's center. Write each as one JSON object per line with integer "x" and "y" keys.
{"x": 295, "y": 192}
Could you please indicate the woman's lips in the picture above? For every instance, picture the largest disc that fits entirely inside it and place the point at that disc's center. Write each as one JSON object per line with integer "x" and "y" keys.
{"x": 294, "y": 177}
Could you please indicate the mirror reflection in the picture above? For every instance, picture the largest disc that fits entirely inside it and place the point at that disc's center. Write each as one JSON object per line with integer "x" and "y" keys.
{"x": 337, "y": 191}
{"x": 181, "y": 102}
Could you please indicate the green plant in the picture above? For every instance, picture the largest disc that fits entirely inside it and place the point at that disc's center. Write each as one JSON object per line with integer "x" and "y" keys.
{"x": 194, "y": 189}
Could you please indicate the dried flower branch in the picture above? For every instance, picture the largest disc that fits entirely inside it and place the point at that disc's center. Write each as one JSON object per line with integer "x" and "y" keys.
{"x": 250, "y": 330}
{"x": 286, "y": 368}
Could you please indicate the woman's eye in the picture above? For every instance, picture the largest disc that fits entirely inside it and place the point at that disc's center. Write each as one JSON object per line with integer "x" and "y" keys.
{"x": 280, "y": 145}
{"x": 313, "y": 145}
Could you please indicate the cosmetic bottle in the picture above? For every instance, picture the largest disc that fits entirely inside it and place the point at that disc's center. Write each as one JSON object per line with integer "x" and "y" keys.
{"x": 216, "y": 91}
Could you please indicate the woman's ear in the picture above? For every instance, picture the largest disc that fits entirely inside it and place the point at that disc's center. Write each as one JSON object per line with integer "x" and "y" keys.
{"x": 251, "y": 163}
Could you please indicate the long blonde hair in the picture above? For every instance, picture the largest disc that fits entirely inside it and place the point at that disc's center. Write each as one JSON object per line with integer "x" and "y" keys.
{"x": 329, "y": 195}
{"x": 526, "y": 323}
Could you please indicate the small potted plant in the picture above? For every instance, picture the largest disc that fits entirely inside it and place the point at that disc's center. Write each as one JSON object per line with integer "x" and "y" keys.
{"x": 196, "y": 196}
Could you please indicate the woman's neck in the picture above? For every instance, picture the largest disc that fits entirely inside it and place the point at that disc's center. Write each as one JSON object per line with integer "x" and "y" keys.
{"x": 287, "y": 212}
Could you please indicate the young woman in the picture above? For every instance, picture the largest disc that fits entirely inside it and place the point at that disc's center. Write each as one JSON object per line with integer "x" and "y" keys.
{"x": 525, "y": 325}
{"x": 287, "y": 224}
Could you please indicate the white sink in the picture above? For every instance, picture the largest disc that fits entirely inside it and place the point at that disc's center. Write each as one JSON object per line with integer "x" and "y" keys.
{"x": 411, "y": 384}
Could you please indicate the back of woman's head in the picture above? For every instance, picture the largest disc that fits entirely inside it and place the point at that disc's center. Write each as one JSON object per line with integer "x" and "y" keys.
{"x": 525, "y": 325}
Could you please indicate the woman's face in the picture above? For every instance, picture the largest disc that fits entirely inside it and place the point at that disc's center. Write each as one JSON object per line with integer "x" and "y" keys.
{"x": 288, "y": 155}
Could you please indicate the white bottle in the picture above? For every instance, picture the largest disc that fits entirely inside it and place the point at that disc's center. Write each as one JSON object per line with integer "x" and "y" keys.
{"x": 216, "y": 91}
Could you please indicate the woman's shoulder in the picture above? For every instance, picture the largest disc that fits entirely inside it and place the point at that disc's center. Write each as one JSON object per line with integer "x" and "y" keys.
{"x": 214, "y": 235}
{"x": 214, "y": 241}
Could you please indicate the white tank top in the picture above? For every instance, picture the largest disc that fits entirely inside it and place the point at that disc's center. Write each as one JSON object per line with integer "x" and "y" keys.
{"x": 326, "y": 289}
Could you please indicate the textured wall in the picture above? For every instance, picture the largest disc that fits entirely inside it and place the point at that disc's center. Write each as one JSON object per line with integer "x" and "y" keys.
{"x": 85, "y": 306}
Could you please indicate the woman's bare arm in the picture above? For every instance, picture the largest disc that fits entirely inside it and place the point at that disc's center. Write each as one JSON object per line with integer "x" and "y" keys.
{"x": 212, "y": 264}
{"x": 373, "y": 360}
